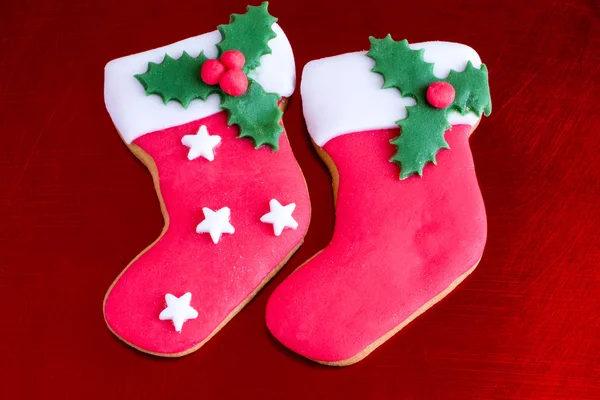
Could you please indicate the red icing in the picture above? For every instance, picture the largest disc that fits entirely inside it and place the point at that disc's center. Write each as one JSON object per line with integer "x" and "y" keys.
{"x": 219, "y": 276}
{"x": 397, "y": 244}
{"x": 212, "y": 71}
{"x": 440, "y": 94}
{"x": 234, "y": 82}
{"x": 233, "y": 59}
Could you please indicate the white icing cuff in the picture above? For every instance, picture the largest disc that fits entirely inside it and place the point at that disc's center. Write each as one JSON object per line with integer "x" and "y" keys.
{"x": 342, "y": 95}
{"x": 135, "y": 114}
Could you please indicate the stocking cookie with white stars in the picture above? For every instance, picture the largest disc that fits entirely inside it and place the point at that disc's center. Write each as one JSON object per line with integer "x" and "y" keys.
{"x": 392, "y": 124}
{"x": 204, "y": 115}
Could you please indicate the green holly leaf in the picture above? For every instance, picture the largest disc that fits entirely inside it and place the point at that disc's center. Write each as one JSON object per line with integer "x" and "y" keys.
{"x": 421, "y": 137}
{"x": 249, "y": 33}
{"x": 257, "y": 114}
{"x": 177, "y": 79}
{"x": 472, "y": 90}
{"x": 401, "y": 67}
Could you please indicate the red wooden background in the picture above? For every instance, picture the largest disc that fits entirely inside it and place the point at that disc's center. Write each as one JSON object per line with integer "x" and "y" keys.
{"x": 76, "y": 207}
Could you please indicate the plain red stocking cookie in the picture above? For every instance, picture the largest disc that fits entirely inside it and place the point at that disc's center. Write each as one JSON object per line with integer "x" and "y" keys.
{"x": 400, "y": 245}
{"x": 204, "y": 115}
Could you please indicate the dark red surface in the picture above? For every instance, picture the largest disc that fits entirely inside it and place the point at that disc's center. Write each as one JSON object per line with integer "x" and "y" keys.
{"x": 76, "y": 207}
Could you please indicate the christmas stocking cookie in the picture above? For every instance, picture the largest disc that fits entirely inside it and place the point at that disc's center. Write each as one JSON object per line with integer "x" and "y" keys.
{"x": 204, "y": 115}
{"x": 393, "y": 126}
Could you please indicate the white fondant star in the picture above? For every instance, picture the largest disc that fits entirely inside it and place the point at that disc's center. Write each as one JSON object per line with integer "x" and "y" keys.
{"x": 201, "y": 144}
{"x": 215, "y": 223}
{"x": 280, "y": 216}
{"x": 178, "y": 310}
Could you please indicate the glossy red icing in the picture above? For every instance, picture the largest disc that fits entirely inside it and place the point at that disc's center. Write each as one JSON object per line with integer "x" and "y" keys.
{"x": 397, "y": 245}
{"x": 219, "y": 276}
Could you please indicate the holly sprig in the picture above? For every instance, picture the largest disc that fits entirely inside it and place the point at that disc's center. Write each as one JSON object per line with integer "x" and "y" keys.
{"x": 422, "y": 131}
{"x": 256, "y": 112}
{"x": 177, "y": 79}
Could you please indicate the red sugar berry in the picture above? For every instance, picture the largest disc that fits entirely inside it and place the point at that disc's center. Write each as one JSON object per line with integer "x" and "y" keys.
{"x": 234, "y": 82}
{"x": 440, "y": 94}
{"x": 233, "y": 59}
{"x": 212, "y": 71}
